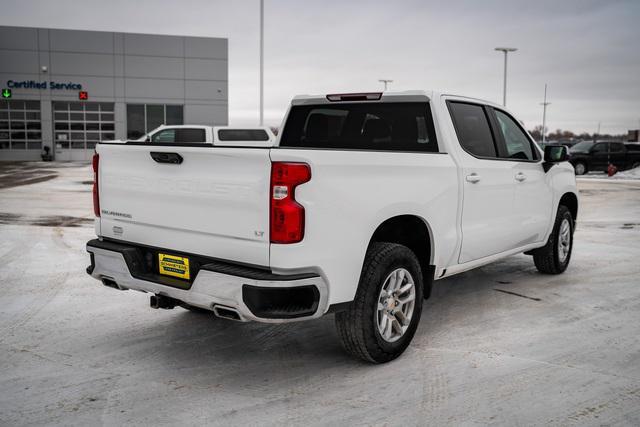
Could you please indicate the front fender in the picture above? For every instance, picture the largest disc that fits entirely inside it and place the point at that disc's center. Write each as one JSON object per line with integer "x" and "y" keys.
{"x": 562, "y": 180}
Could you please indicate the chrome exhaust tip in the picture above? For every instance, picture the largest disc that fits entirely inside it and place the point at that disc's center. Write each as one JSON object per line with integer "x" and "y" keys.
{"x": 227, "y": 313}
{"x": 111, "y": 283}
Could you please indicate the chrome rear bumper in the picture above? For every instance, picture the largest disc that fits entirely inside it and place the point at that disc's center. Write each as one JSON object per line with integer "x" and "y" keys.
{"x": 255, "y": 294}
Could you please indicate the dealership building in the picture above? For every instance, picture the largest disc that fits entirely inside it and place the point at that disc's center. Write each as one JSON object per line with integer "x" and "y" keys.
{"x": 69, "y": 89}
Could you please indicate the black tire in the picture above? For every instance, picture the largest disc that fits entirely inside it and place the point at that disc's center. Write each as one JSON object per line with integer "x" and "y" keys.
{"x": 580, "y": 168}
{"x": 548, "y": 259}
{"x": 357, "y": 326}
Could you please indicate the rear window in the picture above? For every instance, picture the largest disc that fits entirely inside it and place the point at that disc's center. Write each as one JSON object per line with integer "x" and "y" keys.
{"x": 243, "y": 135}
{"x": 361, "y": 126}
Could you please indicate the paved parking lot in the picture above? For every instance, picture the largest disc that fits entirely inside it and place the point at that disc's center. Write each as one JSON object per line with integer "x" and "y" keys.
{"x": 498, "y": 345}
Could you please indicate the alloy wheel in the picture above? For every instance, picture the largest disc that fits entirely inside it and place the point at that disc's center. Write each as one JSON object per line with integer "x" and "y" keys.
{"x": 396, "y": 302}
{"x": 564, "y": 240}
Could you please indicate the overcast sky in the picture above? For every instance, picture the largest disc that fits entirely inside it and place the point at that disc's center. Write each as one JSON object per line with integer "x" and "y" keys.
{"x": 587, "y": 51}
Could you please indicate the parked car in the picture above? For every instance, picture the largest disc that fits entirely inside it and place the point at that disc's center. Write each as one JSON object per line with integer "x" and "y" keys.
{"x": 363, "y": 202}
{"x": 169, "y": 134}
{"x": 568, "y": 142}
{"x": 596, "y": 156}
{"x": 632, "y": 146}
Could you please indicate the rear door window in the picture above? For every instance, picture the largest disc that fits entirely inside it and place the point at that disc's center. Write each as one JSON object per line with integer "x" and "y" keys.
{"x": 617, "y": 147}
{"x": 473, "y": 130}
{"x": 361, "y": 126}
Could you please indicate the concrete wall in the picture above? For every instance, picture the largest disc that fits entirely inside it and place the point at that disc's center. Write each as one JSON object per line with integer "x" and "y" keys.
{"x": 118, "y": 67}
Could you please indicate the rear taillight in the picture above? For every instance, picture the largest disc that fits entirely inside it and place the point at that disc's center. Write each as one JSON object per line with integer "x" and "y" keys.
{"x": 287, "y": 215}
{"x": 96, "y": 194}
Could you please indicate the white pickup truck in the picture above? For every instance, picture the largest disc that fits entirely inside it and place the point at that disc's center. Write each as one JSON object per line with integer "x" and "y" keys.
{"x": 363, "y": 201}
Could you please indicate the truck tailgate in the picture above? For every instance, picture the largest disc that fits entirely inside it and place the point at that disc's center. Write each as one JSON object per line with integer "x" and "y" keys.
{"x": 214, "y": 203}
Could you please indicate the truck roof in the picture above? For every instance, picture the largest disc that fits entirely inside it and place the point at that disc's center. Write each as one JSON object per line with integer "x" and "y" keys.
{"x": 389, "y": 96}
{"x": 409, "y": 95}
{"x": 182, "y": 126}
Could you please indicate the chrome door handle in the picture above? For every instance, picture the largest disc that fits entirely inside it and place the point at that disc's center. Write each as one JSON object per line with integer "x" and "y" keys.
{"x": 520, "y": 177}
{"x": 473, "y": 178}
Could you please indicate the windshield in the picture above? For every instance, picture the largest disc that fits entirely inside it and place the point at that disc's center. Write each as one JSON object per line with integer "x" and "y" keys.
{"x": 582, "y": 146}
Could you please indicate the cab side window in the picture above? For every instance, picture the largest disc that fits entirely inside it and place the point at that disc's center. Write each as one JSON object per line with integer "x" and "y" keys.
{"x": 164, "y": 136}
{"x": 188, "y": 135}
{"x": 179, "y": 135}
{"x": 473, "y": 130}
{"x": 517, "y": 143}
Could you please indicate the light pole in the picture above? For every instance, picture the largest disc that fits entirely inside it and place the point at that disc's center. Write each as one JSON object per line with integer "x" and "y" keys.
{"x": 385, "y": 81}
{"x": 506, "y": 50}
{"x": 261, "y": 62}
{"x": 544, "y": 114}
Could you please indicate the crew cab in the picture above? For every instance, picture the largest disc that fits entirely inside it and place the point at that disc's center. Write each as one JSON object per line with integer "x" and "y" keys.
{"x": 597, "y": 156}
{"x": 363, "y": 201}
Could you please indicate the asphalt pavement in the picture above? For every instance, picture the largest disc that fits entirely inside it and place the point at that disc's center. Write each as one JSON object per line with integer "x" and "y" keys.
{"x": 499, "y": 345}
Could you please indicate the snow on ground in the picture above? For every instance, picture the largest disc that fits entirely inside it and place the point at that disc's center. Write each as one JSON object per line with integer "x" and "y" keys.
{"x": 628, "y": 174}
{"x": 74, "y": 352}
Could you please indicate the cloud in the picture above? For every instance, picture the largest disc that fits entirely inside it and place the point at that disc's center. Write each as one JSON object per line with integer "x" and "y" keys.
{"x": 585, "y": 50}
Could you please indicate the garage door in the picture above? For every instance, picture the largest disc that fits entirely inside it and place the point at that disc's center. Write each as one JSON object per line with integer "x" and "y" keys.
{"x": 78, "y": 126}
{"x": 20, "y": 131}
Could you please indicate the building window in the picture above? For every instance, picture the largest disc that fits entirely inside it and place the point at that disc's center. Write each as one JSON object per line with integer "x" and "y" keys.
{"x": 20, "y": 127}
{"x": 82, "y": 125}
{"x": 143, "y": 118}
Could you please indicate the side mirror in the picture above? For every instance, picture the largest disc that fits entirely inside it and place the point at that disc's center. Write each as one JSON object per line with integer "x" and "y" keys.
{"x": 147, "y": 139}
{"x": 554, "y": 154}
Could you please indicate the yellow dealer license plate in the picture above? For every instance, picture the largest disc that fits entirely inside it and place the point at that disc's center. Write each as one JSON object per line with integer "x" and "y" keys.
{"x": 176, "y": 266}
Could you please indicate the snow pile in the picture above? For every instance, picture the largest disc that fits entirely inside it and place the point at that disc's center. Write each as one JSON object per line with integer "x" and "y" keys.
{"x": 631, "y": 174}
{"x": 628, "y": 174}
